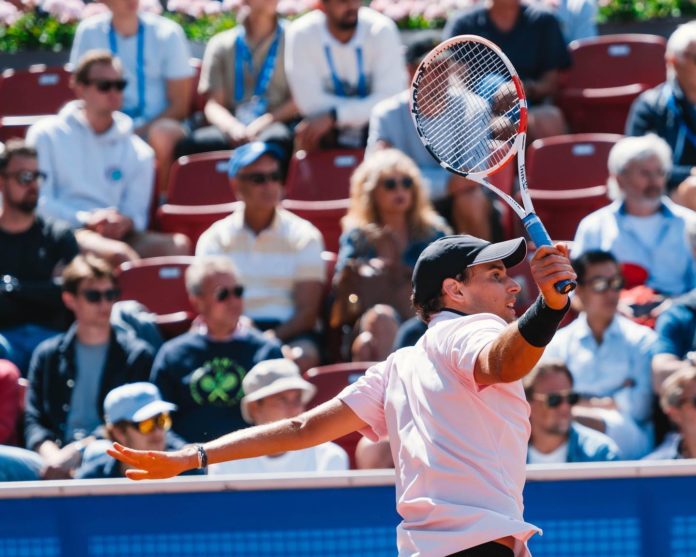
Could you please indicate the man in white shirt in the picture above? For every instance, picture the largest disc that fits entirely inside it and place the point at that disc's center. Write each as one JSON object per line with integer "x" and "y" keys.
{"x": 340, "y": 61}
{"x": 275, "y": 390}
{"x": 453, "y": 406}
{"x": 99, "y": 174}
{"x": 155, "y": 56}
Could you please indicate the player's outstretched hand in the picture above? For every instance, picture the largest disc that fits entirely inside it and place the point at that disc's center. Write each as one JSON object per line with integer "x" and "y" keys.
{"x": 154, "y": 465}
{"x": 549, "y": 265}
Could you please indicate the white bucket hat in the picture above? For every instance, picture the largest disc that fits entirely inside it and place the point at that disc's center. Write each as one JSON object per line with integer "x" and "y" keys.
{"x": 271, "y": 377}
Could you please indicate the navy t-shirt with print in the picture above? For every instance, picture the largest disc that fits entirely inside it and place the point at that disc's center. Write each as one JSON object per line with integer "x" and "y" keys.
{"x": 204, "y": 379}
{"x": 534, "y": 45}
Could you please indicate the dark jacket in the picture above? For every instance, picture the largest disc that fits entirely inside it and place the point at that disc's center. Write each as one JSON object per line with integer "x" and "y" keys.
{"x": 665, "y": 111}
{"x": 52, "y": 377}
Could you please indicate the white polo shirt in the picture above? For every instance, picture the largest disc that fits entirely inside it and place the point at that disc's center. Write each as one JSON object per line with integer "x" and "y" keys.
{"x": 459, "y": 448}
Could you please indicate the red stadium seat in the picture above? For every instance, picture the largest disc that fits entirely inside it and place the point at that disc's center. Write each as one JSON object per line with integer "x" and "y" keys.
{"x": 200, "y": 179}
{"x": 325, "y": 215}
{"x": 607, "y": 74}
{"x": 37, "y": 90}
{"x": 569, "y": 161}
{"x": 322, "y": 175}
{"x": 158, "y": 283}
{"x": 192, "y": 220}
{"x": 329, "y": 381}
{"x": 16, "y": 126}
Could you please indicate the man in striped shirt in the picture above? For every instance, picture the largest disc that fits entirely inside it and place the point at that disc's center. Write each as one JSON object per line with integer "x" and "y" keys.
{"x": 277, "y": 253}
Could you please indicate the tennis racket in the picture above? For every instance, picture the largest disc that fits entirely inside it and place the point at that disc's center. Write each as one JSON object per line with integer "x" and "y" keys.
{"x": 470, "y": 110}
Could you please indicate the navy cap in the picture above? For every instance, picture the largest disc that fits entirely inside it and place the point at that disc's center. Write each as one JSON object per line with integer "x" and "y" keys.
{"x": 249, "y": 153}
{"x": 449, "y": 256}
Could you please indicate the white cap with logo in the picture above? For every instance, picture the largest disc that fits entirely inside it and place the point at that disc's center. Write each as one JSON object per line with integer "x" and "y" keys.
{"x": 134, "y": 402}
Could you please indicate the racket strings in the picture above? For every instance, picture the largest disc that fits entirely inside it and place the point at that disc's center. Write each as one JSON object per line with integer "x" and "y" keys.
{"x": 467, "y": 107}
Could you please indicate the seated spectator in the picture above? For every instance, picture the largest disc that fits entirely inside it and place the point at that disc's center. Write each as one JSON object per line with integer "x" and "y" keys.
{"x": 274, "y": 390}
{"x": 155, "y": 56}
{"x": 642, "y": 226}
{"x": 202, "y": 371}
{"x": 377, "y": 328}
{"x": 389, "y": 222}
{"x": 556, "y": 437}
{"x": 373, "y": 454}
{"x": 409, "y": 332}
{"x": 676, "y": 339}
{"x": 33, "y": 251}
{"x": 531, "y": 38}
{"x": 462, "y": 202}
{"x": 609, "y": 356}
{"x": 341, "y": 60}
{"x": 578, "y": 18}
{"x": 98, "y": 172}
{"x": 678, "y": 401}
{"x": 71, "y": 374}
{"x": 243, "y": 79}
{"x": 277, "y": 254}
{"x": 136, "y": 417}
{"x": 669, "y": 110}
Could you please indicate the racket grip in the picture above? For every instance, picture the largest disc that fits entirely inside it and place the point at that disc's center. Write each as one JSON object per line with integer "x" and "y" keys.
{"x": 540, "y": 237}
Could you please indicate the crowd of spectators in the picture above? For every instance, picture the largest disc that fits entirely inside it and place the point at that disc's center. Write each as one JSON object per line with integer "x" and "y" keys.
{"x": 76, "y": 201}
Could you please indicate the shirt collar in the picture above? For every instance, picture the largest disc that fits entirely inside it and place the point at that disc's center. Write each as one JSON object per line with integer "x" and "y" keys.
{"x": 585, "y": 331}
{"x": 665, "y": 208}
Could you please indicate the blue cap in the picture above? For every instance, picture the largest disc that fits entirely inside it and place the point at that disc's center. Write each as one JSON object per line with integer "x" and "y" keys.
{"x": 249, "y": 153}
{"x": 134, "y": 402}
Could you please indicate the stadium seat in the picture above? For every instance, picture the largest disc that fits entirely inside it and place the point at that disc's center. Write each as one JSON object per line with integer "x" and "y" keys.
{"x": 192, "y": 220}
{"x": 322, "y": 175}
{"x": 325, "y": 215}
{"x": 16, "y": 126}
{"x": 200, "y": 179}
{"x": 331, "y": 380}
{"x": 607, "y": 74}
{"x": 37, "y": 90}
{"x": 158, "y": 283}
{"x": 569, "y": 161}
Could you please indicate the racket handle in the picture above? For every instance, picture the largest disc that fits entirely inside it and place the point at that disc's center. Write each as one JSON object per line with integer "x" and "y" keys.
{"x": 540, "y": 237}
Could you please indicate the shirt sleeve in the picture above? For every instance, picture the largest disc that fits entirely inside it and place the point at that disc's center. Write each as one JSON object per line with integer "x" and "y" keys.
{"x": 640, "y": 396}
{"x": 137, "y": 195}
{"x": 310, "y": 266}
{"x": 555, "y": 55}
{"x": 177, "y": 65}
{"x": 212, "y": 67}
{"x": 674, "y": 333}
{"x": 464, "y": 343}
{"x": 366, "y": 397}
{"x": 80, "y": 45}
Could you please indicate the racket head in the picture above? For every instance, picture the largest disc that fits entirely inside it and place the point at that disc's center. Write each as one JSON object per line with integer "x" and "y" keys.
{"x": 469, "y": 106}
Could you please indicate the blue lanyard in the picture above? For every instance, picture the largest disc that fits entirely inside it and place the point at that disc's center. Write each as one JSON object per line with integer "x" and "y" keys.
{"x": 243, "y": 58}
{"x": 139, "y": 66}
{"x": 338, "y": 85}
{"x": 684, "y": 130}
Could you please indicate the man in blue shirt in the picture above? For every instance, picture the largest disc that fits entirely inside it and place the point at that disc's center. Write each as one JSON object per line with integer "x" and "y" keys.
{"x": 555, "y": 436}
{"x": 642, "y": 226}
{"x": 609, "y": 357}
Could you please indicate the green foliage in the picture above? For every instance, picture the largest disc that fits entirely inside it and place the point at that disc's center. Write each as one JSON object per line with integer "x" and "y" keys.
{"x": 34, "y": 31}
{"x": 644, "y": 10}
{"x": 202, "y": 28}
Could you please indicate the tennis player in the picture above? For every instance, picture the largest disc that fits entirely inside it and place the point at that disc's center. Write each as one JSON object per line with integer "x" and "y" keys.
{"x": 453, "y": 406}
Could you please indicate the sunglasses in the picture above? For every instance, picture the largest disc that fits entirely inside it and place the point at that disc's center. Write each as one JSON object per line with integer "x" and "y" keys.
{"x": 602, "y": 284}
{"x": 94, "y": 296}
{"x": 554, "y": 400}
{"x": 225, "y": 292}
{"x": 390, "y": 184}
{"x": 26, "y": 177}
{"x": 106, "y": 85}
{"x": 259, "y": 178}
{"x": 691, "y": 401}
{"x": 161, "y": 421}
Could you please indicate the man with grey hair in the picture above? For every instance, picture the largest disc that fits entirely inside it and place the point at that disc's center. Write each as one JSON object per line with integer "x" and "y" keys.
{"x": 678, "y": 401}
{"x": 669, "y": 110}
{"x": 202, "y": 371}
{"x": 642, "y": 226}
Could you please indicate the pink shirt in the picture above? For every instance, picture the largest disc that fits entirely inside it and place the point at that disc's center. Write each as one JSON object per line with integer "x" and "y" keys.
{"x": 459, "y": 448}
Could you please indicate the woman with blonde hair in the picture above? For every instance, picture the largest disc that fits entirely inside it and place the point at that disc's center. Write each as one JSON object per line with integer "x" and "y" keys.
{"x": 389, "y": 222}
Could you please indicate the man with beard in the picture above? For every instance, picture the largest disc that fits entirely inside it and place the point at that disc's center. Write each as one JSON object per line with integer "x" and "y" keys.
{"x": 556, "y": 437}
{"x": 642, "y": 226}
{"x": 33, "y": 251}
{"x": 341, "y": 60}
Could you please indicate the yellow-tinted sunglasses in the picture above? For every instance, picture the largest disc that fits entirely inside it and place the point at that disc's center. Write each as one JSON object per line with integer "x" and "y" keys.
{"x": 162, "y": 421}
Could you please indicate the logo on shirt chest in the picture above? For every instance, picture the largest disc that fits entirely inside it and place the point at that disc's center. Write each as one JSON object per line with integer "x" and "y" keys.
{"x": 218, "y": 382}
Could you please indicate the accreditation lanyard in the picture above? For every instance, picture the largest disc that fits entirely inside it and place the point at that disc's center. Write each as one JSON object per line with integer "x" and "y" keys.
{"x": 684, "y": 132}
{"x": 243, "y": 59}
{"x": 339, "y": 90}
{"x": 139, "y": 66}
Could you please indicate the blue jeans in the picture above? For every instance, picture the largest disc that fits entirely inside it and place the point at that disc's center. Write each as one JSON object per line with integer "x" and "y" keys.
{"x": 19, "y": 465}
{"x": 19, "y": 343}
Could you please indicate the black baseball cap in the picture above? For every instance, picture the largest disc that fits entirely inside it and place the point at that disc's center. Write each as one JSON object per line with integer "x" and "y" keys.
{"x": 450, "y": 255}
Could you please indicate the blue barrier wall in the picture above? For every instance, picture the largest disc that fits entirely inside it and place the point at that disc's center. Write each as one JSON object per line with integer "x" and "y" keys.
{"x": 617, "y": 517}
